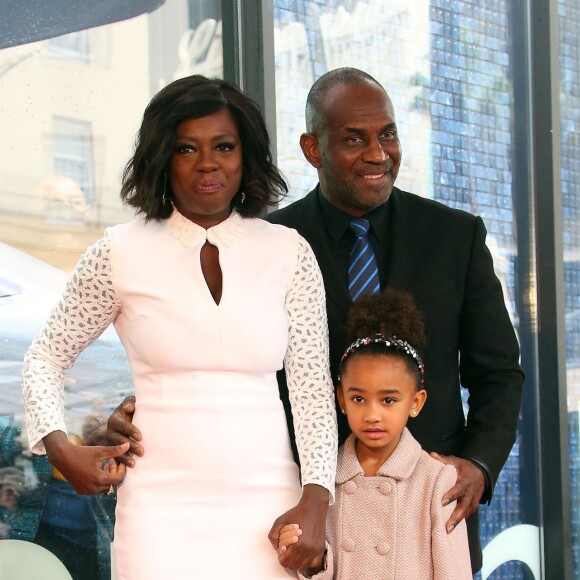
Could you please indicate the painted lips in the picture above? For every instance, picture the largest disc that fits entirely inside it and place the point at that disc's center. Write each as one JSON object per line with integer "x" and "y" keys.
{"x": 208, "y": 186}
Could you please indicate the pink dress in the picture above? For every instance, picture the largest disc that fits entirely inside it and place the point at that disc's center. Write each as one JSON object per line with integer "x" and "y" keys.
{"x": 217, "y": 468}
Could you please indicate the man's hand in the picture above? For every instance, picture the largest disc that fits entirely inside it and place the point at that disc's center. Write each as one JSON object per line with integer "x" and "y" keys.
{"x": 310, "y": 516}
{"x": 87, "y": 469}
{"x": 120, "y": 430}
{"x": 467, "y": 490}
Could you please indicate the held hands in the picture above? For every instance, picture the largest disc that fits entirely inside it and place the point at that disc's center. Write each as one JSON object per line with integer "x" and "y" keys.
{"x": 310, "y": 517}
{"x": 120, "y": 430}
{"x": 289, "y": 535}
{"x": 88, "y": 469}
{"x": 467, "y": 490}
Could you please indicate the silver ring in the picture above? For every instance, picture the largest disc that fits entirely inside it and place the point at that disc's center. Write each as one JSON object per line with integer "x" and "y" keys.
{"x": 110, "y": 491}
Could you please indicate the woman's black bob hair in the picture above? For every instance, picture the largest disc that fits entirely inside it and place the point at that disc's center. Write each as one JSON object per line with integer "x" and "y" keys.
{"x": 145, "y": 177}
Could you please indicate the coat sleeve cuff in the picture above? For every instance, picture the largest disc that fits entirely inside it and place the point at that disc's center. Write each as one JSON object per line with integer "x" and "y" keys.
{"x": 327, "y": 571}
{"x": 489, "y": 483}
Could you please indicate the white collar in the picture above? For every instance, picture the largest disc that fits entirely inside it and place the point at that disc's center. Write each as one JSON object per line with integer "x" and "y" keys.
{"x": 190, "y": 234}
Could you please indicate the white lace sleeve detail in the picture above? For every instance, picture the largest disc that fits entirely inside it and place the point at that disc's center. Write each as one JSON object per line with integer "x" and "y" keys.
{"x": 307, "y": 372}
{"x": 88, "y": 305}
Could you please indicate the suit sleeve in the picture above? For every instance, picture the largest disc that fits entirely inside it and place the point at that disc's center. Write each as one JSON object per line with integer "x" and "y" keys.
{"x": 489, "y": 365}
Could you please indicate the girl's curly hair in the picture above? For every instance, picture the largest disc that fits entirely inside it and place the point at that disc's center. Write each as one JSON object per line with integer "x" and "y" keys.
{"x": 390, "y": 314}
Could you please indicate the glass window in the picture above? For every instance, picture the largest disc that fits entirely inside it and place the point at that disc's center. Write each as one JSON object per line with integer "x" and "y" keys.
{"x": 570, "y": 175}
{"x": 448, "y": 69}
{"x": 74, "y": 45}
{"x": 70, "y": 191}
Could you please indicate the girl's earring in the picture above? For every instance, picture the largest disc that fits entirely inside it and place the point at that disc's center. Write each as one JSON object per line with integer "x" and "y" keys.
{"x": 343, "y": 411}
{"x": 242, "y": 198}
{"x": 414, "y": 413}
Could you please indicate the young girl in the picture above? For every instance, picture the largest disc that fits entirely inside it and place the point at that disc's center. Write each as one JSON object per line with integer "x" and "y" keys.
{"x": 387, "y": 521}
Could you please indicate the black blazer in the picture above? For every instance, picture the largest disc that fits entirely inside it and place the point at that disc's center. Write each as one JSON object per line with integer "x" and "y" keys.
{"x": 439, "y": 255}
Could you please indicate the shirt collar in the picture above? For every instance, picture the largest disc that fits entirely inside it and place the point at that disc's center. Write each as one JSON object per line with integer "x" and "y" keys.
{"x": 190, "y": 234}
{"x": 336, "y": 221}
{"x": 398, "y": 466}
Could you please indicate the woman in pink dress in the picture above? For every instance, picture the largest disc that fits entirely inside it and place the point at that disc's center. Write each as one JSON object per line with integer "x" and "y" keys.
{"x": 209, "y": 302}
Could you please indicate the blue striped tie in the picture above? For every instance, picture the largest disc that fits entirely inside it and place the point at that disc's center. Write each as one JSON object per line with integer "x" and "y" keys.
{"x": 363, "y": 274}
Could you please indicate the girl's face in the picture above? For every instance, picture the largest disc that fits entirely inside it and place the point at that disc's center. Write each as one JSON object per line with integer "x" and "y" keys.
{"x": 206, "y": 167}
{"x": 378, "y": 394}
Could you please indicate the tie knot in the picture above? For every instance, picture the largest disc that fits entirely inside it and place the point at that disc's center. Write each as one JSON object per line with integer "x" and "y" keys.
{"x": 360, "y": 227}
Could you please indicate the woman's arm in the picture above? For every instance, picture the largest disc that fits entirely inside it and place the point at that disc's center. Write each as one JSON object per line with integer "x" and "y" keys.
{"x": 310, "y": 387}
{"x": 87, "y": 307}
{"x": 311, "y": 395}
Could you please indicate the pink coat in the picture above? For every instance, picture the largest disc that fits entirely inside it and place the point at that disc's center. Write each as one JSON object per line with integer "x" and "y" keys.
{"x": 392, "y": 525}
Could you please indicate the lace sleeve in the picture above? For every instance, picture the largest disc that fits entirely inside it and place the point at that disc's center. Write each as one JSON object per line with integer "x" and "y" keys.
{"x": 307, "y": 371}
{"x": 87, "y": 307}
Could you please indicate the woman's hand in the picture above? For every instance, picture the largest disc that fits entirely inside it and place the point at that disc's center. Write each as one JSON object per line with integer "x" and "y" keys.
{"x": 290, "y": 535}
{"x": 87, "y": 469}
{"x": 310, "y": 516}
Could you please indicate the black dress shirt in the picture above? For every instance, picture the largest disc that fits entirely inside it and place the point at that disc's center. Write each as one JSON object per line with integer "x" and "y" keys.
{"x": 336, "y": 223}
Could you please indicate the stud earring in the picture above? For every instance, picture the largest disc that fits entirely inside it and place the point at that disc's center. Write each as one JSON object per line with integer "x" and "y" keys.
{"x": 413, "y": 413}
{"x": 343, "y": 411}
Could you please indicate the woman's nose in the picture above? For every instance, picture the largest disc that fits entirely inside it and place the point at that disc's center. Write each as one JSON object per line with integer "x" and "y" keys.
{"x": 206, "y": 160}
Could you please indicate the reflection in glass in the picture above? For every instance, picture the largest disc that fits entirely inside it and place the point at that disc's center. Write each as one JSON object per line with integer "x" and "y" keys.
{"x": 71, "y": 106}
{"x": 569, "y": 20}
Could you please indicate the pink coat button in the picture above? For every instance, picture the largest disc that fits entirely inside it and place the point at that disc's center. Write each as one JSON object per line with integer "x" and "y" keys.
{"x": 385, "y": 487}
{"x": 349, "y": 487}
{"x": 382, "y": 548}
{"x": 347, "y": 545}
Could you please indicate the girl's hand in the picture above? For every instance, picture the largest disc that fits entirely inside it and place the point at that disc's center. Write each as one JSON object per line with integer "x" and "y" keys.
{"x": 87, "y": 469}
{"x": 288, "y": 535}
{"x": 310, "y": 515}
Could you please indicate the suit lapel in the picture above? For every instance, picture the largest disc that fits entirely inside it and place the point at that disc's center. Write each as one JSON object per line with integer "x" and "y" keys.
{"x": 310, "y": 223}
{"x": 409, "y": 228}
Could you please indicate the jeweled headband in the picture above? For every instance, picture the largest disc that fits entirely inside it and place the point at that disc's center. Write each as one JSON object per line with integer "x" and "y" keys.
{"x": 388, "y": 341}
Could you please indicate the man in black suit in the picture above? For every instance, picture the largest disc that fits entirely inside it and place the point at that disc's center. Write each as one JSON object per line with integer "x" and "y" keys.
{"x": 437, "y": 254}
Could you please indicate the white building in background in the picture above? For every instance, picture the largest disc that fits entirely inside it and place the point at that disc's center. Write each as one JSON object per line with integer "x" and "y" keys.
{"x": 342, "y": 44}
{"x": 71, "y": 107}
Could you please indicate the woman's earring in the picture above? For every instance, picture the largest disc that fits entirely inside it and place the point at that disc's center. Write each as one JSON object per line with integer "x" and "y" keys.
{"x": 343, "y": 411}
{"x": 414, "y": 413}
{"x": 164, "y": 200}
{"x": 242, "y": 198}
